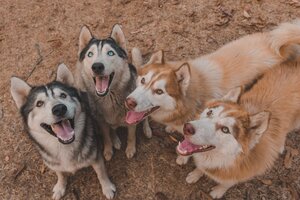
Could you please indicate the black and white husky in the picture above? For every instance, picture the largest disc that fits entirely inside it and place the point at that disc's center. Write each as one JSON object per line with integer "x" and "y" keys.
{"x": 57, "y": 118}
{"x": 104, "y": 72}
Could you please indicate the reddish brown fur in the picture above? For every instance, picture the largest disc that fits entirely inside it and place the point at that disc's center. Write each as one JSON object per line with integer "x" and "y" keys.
{"x": 214, "y": 74}
{"x": 278, "y": 92}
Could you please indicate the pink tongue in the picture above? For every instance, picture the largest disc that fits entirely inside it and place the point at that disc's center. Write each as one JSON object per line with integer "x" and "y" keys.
{"x": 134, "y": 117}
{"x": 188, "y": 146}
{"x": 102, "y": 83}
{"x": 63, "y": 130}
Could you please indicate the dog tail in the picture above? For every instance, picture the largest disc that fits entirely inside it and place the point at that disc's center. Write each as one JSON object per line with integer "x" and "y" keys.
{"x": 285, "y": 40}
{"x": 137, "y": 59}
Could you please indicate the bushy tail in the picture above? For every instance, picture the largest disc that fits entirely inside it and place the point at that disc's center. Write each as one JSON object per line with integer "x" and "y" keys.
{"x": 285, "y": 40}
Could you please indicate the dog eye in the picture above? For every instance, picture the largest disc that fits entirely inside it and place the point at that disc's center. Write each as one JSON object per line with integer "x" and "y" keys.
{"x": 110, "y": 53}
{"x": 39, "y": 103}
{"x": 143, "y": 81}
{"x": 159, "y": 91}
{"x": 209, "y": 113}
{"x": 90, "y": 54}
{"x": 225, "y": 130}
{"x": 63, "y": 95}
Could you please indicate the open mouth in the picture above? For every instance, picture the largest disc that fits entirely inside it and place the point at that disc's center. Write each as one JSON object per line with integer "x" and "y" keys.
{"x": 133, "y": 117}
{"x": 63, "y": 130}
{"x": 186, "y": 148}
{"x": 102, "y": 84}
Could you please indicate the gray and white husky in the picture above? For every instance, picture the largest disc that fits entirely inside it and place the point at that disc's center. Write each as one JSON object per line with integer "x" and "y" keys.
{"x": 57, "y": 118}
{"x": 104, "y": 72}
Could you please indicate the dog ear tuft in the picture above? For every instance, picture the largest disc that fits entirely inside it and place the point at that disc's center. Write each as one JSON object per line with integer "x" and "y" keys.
{"x": 233, "y": 95}
{"x": 118, "y": 35}
{"x": 137, "y": 59}
{"x": 183, "y": 74}
{"x": 258, "y": 125}
{"x": 64, "y": 75}
{"x": 84, "y": 38}
{"x": 19, "y": 90}
{"x": 157, "y": 58}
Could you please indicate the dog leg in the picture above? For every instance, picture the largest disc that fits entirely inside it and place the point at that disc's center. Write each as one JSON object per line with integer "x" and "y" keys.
{"x": 116, "y": 140}
{"x": 131, "y": 140}
{"x": 194, "y": 176}
{"x": 170, "y": 129}
{"x": 147, "y": 128}
{"x": 59, "y": 189}
{"x": 108, "y": 147}
{"x": 182, "y": 160}
{"x": 108, "y": 188}
{"x": 219, "y": 190}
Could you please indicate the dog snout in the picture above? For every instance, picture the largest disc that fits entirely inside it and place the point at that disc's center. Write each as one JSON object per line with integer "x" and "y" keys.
{"x": 98, "y": 68}
{"x": 188, "y": 129}
{"x": 59, "y": 110}
{"x": 130, "y": 103}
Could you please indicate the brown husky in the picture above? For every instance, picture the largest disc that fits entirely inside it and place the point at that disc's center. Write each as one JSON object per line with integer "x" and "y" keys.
{"x": 175, "y": 92}
{"x": 240, "y": 136}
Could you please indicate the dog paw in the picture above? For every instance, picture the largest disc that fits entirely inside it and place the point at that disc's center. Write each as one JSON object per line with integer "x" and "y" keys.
{"x": 182, "y": 160}
{"x": 218, "y": 191}
{"x": 147, "y": 131}
{"x": 117, "y": 143}
{"x": 58, "y": 191}
{"x": 108, "y": 153}
{"x": 109, "y": 190}
{"x": 194, "y": 176}
{"x": 170, "y": 129}
{"x": 130, "y": 151}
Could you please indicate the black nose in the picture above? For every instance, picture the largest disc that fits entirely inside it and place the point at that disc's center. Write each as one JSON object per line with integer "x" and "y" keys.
{"x": 59, "y": 110}
{"x": 98, "y": 68}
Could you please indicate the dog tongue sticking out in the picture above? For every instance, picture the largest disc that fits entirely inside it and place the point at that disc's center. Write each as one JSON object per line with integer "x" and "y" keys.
{"x": 102, "y": 83}
{"x": 63, "y": 130}
{"x": 134, "y": 117}
{"x": 187, "y": 148}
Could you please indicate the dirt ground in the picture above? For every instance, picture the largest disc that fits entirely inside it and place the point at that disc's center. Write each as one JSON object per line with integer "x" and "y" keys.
{"x": 37, "y": 35}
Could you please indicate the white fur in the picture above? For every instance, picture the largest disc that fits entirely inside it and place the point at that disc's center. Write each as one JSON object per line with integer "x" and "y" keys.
{"x": 227, "y": 147}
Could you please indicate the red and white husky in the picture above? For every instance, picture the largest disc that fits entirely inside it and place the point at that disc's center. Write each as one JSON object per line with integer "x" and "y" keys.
{"x": 241, "y": 135}
{"x": 173, "y": 93}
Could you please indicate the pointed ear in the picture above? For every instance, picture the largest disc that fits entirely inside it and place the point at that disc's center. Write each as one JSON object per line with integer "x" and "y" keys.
{"x": 258, "y": 125}
{"x": 19, "y": 90}
{"x": 137, "y": 59}
{"x": 64, "y": 75}
{"x": 84, "y": 38}
{"x": 118, "y": 35}
{"x": 233, "y": 95}
{"x": 183, "y": 74}
{"x": 157, "y": 57}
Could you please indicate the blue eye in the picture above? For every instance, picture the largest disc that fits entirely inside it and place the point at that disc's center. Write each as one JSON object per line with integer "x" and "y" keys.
{"x": 110, "y": 53}
{"x": 90, "y": 54}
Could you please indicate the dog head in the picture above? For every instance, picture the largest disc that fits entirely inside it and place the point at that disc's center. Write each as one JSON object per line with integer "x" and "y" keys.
{"x": 224, "y": 127}
{"x": 49, "y": 109}
{"x": 103, "y": 60}
{"x": 160, "y": 87}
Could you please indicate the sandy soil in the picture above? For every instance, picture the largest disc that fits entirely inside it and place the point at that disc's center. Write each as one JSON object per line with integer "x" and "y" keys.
{"x": 37, "y": 35}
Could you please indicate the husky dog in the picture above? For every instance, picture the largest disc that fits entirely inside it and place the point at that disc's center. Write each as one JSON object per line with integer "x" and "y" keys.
{"x": 104, "y": 72}
{"x": 58, "y": 121}
{"x": 175, "y": 92}
{"x": 241, "y": 135}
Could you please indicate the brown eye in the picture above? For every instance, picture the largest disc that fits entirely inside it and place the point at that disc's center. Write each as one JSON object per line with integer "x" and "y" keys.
{"x": 159, "y": 91}
{"x": 209, "y": 113}
{"x": 63, "y": 95}
{"x": 143, "y": 81}
{"x": 225, "y": 130}
{"x": 39, "y": 103}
